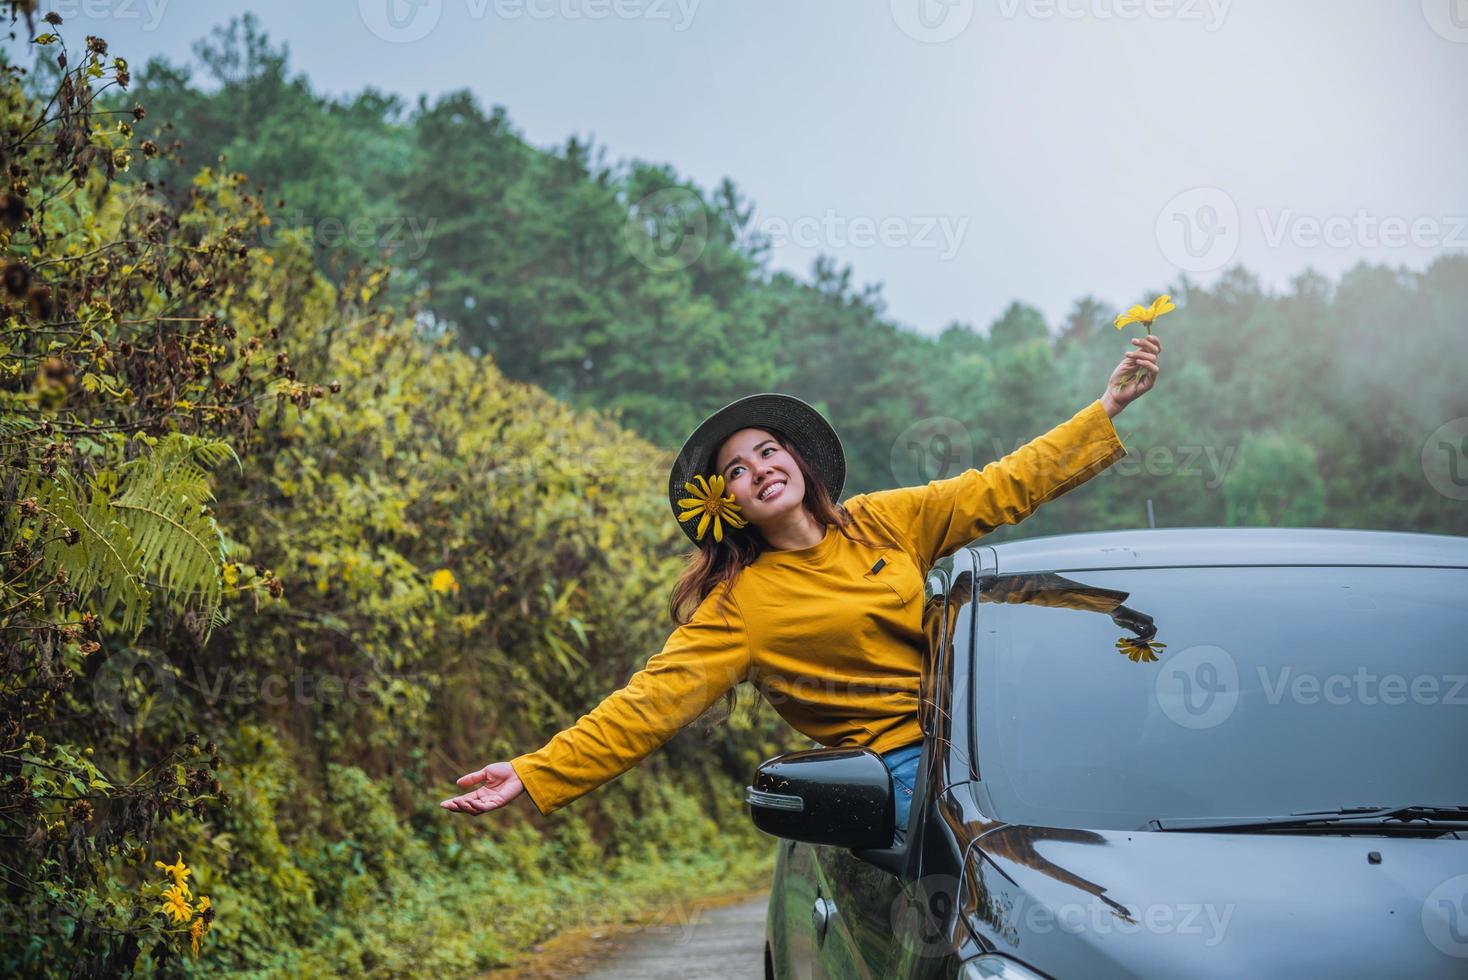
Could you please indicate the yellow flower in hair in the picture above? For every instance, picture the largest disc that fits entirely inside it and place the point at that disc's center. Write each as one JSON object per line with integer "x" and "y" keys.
{"x": 708, "y": 503}
{"x": 1146, "y": 314}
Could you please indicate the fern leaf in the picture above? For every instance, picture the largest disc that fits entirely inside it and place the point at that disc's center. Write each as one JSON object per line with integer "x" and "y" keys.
{"x": 105, "y": 558}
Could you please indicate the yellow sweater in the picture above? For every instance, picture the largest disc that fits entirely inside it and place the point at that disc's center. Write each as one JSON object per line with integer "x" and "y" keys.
{"x": 832, "y": 634}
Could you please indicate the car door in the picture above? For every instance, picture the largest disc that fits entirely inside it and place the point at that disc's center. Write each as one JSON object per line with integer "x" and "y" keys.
{"x": 795, "y": 949}
{"x": 863, "y": 905}
{"x": 859, "y": 899}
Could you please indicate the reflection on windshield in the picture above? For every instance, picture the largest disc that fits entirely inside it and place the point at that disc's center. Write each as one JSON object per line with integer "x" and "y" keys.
{"x": 1057, "y": 591}
{"x": 1282, "y": 690}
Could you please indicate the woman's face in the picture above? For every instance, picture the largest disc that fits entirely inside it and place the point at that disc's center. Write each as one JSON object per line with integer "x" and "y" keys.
{"x": 753, "y": 463}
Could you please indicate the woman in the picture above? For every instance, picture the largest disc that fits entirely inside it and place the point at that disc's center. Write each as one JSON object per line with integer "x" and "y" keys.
{"x": 818, "y": 604}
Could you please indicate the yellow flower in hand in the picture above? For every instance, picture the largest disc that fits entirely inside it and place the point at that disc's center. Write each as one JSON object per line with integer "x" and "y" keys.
{"x": 708, "y": 503}
{"x": 1143, "y": 315}
{"x": 1146, "y": 314}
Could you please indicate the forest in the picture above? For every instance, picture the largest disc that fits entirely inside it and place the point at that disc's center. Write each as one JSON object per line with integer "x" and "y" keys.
{"x": 335, "y": 432}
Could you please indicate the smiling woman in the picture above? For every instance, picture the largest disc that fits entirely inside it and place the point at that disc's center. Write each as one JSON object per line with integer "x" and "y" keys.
{"x": 816, "y": 603}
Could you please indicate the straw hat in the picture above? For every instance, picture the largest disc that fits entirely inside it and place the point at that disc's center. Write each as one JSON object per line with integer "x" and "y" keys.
{"x": 693, "y": 479}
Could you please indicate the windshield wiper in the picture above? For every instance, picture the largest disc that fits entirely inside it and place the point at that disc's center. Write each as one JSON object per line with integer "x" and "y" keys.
{"x": 1401, "y": 817}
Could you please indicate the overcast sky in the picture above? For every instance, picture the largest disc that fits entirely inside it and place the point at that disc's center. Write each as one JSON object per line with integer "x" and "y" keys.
{"x": 964, "y": 153}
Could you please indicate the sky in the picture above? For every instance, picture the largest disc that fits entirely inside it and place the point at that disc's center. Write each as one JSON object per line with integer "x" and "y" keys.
{"x": 962, "y": 153}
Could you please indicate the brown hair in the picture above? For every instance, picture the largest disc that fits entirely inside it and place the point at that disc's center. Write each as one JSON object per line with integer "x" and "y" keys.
{"x": 712, "y": 563}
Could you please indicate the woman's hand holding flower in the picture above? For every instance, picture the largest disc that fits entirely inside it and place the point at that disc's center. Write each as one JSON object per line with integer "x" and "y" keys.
{"x": 1137, "y": 372}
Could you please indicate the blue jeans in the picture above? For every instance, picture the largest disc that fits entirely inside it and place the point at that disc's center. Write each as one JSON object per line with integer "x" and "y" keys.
{"x": 902, "y": 763}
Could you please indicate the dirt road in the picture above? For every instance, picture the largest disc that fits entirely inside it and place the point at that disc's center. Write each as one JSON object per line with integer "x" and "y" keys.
{"x": 721, "y": 943}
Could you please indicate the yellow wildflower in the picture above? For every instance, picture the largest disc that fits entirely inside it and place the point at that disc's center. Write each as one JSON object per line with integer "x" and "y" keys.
{"x": 196, "y": 929}
{"x": 180, "y": 871}
{"x": 709, "y": 503}
{"x": 443, "y": 581}
{"x": 1143, "y": 315}
{"x": 176, "y": 903}
{"x": 1146, "y": 314}
{"x": 204, "y": 904}
{"x": 1140, "y": 651}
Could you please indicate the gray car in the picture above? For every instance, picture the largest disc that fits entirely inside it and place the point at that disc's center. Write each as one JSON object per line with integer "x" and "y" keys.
{"x": 1195, "y": 752}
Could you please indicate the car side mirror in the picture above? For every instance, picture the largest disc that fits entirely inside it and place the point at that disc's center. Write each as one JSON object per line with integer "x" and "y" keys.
{"x": 841, "y": 797}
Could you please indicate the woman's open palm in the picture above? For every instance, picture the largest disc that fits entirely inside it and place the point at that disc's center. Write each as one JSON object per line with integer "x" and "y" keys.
{"x": 500, "y": 786}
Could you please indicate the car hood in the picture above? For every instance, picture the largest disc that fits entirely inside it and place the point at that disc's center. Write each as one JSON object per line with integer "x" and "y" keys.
{"x": 1078, "y": 903}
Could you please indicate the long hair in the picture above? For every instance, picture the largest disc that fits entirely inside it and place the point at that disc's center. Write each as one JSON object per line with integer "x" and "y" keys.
{"x": 713, "y": 564}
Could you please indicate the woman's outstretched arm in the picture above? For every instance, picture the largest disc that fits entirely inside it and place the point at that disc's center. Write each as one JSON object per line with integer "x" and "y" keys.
{"x": 939, "y": 518}
{"x": 701, "y": 661}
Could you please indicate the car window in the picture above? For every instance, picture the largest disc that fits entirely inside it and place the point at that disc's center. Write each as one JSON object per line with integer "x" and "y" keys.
{"x": 1274, "y": 690}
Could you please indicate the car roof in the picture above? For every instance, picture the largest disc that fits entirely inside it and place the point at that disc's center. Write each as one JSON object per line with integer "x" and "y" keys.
{"x": 1202, "y": 546}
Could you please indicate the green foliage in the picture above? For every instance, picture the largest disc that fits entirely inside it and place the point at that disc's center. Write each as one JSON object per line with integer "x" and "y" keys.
{"x": 1276, "y": 483}
{"x": 627, "y": 289}
{"x": 408, "y": 570}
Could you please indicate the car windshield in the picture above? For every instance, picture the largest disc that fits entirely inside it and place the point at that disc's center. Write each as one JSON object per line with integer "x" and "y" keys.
{"x": 1274, "y": 690}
